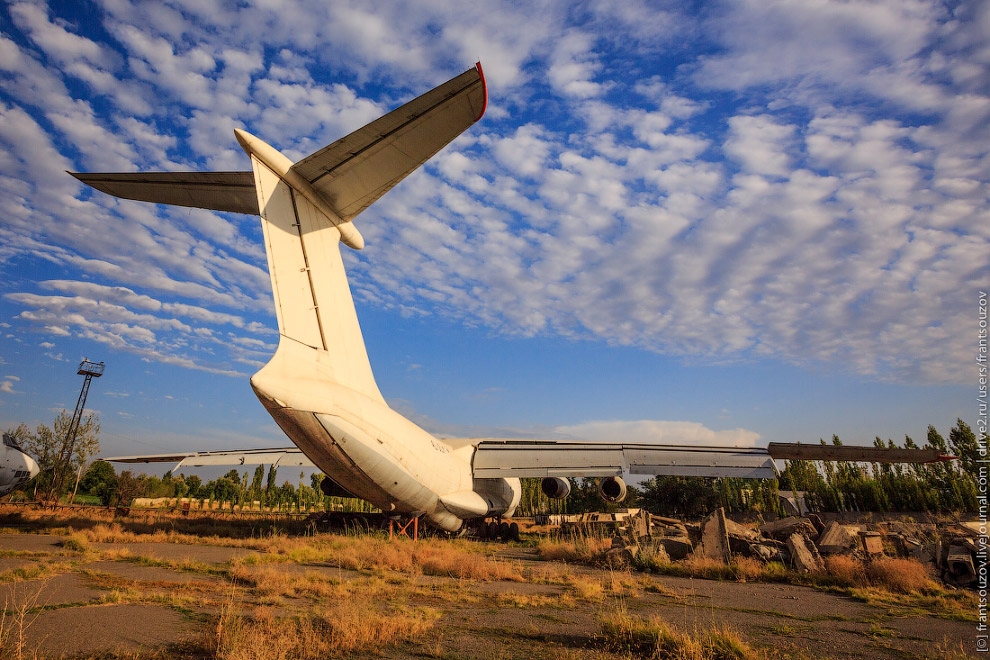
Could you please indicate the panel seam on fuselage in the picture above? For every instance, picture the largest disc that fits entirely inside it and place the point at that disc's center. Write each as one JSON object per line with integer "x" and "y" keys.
{"x": 309, "y": 273}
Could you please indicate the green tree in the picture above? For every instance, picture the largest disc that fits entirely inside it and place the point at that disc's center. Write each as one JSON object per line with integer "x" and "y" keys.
{"x": 254, "y": 492}
{"x": 225, "y": 489}
{"x": 194, "y": 484}
{"x": 46, "y": 445}
{"x": 964, "y": 444}
{"x": 99, "y": 480}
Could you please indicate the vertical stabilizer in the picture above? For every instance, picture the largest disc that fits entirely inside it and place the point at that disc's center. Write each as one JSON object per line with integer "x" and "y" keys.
{"x": 313, "y": 302}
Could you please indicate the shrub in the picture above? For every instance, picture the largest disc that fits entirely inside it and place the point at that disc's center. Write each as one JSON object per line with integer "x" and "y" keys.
{"x": 899, "y": 575}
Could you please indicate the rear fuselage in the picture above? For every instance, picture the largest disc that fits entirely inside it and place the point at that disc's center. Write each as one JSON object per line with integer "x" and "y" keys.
{"x": 373, "y": 451}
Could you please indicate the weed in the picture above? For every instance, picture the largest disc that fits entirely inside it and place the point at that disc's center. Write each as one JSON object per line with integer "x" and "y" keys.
{"x": 900, "y": 575}
{"x": 581, "y": 549}
{"x": 75, "y": 542}
{"x": 877, "y": 630}
{"x": 345, "y": 626}
{"x": 15, "y": 623}
{"x": 654, "y": 638}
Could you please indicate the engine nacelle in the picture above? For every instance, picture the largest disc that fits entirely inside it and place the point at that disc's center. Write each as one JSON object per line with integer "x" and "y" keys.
{"x": 556, "y": 488}
{"x": 331, "y": 488}
{"x": 612, "y": 489}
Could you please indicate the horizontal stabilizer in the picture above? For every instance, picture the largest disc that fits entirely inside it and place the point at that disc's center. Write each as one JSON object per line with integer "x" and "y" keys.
{"x": 282, "y": 456}
{"x": 356, "y": 170}
{"x": 232, "y": 192}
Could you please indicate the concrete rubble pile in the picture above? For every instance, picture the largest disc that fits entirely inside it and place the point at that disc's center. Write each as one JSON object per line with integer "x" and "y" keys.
{"x": 803, "y": 543}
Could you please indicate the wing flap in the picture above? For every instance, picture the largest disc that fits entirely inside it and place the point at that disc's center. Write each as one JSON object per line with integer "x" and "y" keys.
{"x": 231, "y": 192}
{"x": 356, "y": 170}
{"x": 548, "y": 458}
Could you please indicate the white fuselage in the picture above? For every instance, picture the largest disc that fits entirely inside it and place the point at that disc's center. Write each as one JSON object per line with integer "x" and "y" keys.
{"x": 373, "y": 451}
{"x": 16, "y": 468}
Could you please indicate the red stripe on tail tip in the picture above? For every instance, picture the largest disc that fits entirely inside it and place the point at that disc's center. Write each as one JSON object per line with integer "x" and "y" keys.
{"x": 484, "y": 86}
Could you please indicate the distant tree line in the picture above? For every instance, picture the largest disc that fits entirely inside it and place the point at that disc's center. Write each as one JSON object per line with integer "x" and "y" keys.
{"x": 234, "y": 490}
{"x": 827, "y": 486}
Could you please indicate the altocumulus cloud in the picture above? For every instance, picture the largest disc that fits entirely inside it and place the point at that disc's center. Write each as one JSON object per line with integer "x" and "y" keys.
{"x": 770, "y": 180}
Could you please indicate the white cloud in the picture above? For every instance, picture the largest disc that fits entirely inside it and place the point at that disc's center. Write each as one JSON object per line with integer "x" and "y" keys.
{"x": 824, "y": 204}
{"x": 662, "y": 432}
{"x": 760, "y": 145}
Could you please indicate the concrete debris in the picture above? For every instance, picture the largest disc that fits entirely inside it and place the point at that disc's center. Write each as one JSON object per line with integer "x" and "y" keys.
{"x": 959, "y": 568}
{"x": 804, "y": 555}
{"x": 783, "y": 529}
{"x": 835, "y": 539}
{"x": 677, "y": 548}
{"x": 955, "y": 549}
{"x": 622, "y": 556}
{"x": 872, "y": 543}
{"x": 714, "y": 538}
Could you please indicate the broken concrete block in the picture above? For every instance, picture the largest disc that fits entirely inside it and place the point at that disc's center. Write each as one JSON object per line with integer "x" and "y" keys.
{"x": 621, "y": 557}
{"x": 784, "y": 528}
{"x": 959, "y": 566}
{"x": 735, "y": 529}
{"x": 816, "y": 522}
{"x": 872, "y": 542}
{"x": 714, "y": 537}
{"x": 660, "y": 554}
{"x": 764, "y": 552}
{"x": 740, "y": 537}
{"x": 677, "y": 548}
{"x": 803, "y": 555}
{"x": 835, "y": 539}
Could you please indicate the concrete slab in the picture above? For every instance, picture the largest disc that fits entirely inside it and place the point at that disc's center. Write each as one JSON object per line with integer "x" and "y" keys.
{"x": 30, "y": 542}
{"x": 208, "y": 554}
{"x": 106, "y": 629}
{"x": 142, "y": 573}
{"x": 56, "y": 590}
{"x": 13, "y": 563}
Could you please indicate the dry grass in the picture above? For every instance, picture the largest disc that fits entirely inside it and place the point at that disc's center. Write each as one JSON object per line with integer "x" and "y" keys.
{"x": 207, "y": 524}
{"x": 900, "y": 575}
{"x": 38, "y": 569}
{"x": 848, "y": 571}
{"x": 343, "y": 627}
{"x": 654, "y": 638}
{"x": 582, "y": 550}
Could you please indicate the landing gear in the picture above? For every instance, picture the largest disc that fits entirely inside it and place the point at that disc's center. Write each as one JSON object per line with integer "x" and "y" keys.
{"x": 498, "y": 530}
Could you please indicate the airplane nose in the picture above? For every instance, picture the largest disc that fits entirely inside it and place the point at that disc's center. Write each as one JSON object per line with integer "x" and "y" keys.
{"x": 31, "y": 466}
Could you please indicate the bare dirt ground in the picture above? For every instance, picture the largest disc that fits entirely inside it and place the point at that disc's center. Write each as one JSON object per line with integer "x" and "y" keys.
{"x": 75, "y": 597}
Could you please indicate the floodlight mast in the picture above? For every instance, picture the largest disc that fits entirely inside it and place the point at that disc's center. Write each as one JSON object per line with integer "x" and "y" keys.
{"x": 90, "y": 370}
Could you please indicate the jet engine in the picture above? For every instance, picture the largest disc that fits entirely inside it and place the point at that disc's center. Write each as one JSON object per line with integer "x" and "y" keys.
{"x": 612, "y": 489}
{"x": 331, "y": 488}
{"x": 556, "y": 488}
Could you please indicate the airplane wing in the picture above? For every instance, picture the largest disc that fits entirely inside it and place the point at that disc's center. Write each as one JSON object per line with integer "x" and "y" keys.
{"x": 279, "y": 456}
{"x": 218, "y": 191}
{"x": 356, "y": 170}
{"x": 501, "y": 458}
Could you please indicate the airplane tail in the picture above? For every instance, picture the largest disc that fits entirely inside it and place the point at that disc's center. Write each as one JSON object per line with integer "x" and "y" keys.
{"x": 307, "y": 208}
{"x": 313, "y": 302}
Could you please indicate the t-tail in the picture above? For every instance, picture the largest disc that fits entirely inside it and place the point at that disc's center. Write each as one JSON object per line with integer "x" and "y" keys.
{"x": 307, "y": 209}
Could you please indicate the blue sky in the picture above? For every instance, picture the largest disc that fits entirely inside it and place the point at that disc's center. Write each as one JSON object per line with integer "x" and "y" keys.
{"x": 733, "y": 222}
